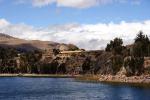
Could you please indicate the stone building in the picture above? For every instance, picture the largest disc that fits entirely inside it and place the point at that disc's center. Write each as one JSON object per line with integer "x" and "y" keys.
{"x": 63, "y": 47}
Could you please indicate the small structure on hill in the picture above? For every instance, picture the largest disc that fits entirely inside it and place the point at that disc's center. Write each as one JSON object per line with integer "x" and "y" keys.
{"x": 63, "y": 47}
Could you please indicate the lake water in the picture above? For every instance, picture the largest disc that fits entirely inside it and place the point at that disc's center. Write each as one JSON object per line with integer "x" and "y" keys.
{"x": 17, "y": 88}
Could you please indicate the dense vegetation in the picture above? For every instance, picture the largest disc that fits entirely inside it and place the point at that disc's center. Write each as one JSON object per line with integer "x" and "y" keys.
{"x": 141, "y": 46}
{"x": 133, "y": 56}
{"x": 30, "y": 62}
{"x": 7, "y": 62}
{"x": 115, "y": 46}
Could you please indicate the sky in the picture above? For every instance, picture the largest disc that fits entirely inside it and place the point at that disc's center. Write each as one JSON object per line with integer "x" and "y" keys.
{"x": 89, "y": 24}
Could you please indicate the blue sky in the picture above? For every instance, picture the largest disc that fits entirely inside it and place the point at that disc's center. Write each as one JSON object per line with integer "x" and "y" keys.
{"x": 89, "y": 24}
{"x": 51, "y": 14}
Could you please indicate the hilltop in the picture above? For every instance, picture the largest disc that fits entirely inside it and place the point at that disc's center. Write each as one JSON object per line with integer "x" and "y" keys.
{"x": 30, "y": 45}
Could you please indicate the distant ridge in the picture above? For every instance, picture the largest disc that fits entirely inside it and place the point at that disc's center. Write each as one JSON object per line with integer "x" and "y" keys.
{"x": 29, "y": 45}
{"x": 5, "y": 36}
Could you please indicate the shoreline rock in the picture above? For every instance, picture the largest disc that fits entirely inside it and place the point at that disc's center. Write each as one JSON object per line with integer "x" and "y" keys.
{"x": 124, "y": 79}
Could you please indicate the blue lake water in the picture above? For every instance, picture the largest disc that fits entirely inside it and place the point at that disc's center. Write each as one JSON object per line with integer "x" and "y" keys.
{"x": 17, "y": 88}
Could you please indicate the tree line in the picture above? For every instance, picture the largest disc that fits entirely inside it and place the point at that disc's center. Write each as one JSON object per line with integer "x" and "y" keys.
{"x": 131, "y": 57}
{"x": 29, "y": 62}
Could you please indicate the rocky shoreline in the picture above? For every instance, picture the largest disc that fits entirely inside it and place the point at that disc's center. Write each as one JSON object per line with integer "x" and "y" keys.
{"x": 142, "y": 80}
{"x": 123, "y": 79}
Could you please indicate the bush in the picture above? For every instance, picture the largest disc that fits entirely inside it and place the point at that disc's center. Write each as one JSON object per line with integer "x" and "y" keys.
{"x": 134, "y": 65}
{"x": 86, "y": 65}
{"x": 117, "y": 62}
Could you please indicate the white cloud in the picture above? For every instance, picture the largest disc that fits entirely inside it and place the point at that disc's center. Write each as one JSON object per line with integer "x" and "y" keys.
{"x": 40, "y": 3}
{"x": 3, "y": 23}
{"x": 75, "y": 3}
{"x": 88, "y": 36}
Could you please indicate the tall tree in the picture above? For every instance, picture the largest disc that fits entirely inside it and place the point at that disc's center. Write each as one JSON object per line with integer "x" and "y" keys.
{"x": 141, "y": 45}
{"x": 115, "y": 46}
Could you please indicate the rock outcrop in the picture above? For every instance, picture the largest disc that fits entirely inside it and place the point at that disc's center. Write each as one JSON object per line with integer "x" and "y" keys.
{"x": 103, "y": 64}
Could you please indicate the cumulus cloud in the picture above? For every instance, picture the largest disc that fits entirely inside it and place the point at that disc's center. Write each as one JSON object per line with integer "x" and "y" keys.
{"x": 75, "y": 3}
{"x": 4, "y": 23}
{"x": 87, "y": 36}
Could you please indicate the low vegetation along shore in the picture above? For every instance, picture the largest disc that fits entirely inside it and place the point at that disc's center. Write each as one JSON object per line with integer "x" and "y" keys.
{"x": 40, "y": 75}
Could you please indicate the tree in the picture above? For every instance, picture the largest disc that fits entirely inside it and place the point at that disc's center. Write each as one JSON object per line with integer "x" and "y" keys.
{"x": 86, "y": 65}
{"x": 115, "y": 46}
{"x": 30, "y": 61}
{"x": 61, "y": 68}
{"x": 56, "y": 51}
{"x": 141, "y": 45}
{"x": 7, "y": 60}
{"x": 53, "y": 66}
{"x": 141, "y": 37}
{"x": 134, "y": 65}
{"x": 117, "y": 62}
